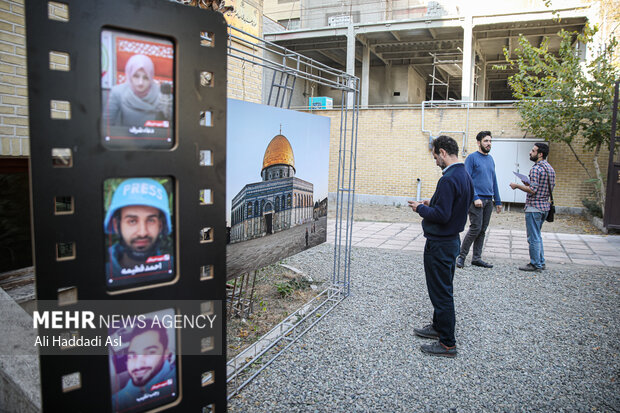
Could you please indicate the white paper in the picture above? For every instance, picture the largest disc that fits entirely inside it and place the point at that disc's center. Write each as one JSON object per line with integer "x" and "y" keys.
{"x": 523, "y": 178}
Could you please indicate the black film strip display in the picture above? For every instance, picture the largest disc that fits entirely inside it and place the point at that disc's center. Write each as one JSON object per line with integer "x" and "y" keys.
{"x": 127, "y": 110}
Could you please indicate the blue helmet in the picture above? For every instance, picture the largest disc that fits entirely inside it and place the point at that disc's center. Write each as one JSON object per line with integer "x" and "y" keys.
{"x": 138, "y": 191}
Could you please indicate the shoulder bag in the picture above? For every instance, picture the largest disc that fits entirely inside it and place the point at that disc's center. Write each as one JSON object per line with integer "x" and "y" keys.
{"x": 551, "y": 213}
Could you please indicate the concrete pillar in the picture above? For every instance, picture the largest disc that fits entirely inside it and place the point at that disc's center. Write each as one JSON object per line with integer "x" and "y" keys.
{"x": 388, "y": 86}
{"x": 365, "y": 76}
{"x": 468, "y": 60}
{"x": 482, "y": 82}
{"x": 350, "y": 61}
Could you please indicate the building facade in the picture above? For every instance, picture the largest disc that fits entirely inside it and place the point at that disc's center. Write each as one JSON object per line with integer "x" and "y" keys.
{"x": 409, "y": 51}
{"x": 279, "y": 202}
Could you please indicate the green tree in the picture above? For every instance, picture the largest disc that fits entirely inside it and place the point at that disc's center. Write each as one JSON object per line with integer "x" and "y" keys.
{"x": 563, "y": 96}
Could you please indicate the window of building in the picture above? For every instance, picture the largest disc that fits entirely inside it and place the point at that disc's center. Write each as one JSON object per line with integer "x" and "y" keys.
{"x": 290, "y": 24}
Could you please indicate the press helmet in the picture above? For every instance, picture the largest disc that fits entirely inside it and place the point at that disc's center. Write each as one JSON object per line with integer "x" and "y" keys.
{"x": 138, "y": 191}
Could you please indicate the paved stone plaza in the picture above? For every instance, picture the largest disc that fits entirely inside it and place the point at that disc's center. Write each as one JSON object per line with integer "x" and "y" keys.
{"x": 499, "y": 244}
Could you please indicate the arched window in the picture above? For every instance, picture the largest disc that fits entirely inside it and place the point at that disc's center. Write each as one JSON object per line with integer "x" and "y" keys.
{"x": 256, "y": 210}
{"x": 249, "y": 210}
{"x": 277, "y": 204}
{"x": 288, "y": 201}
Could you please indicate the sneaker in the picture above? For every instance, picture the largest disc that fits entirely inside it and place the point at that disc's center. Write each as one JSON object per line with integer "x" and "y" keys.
{"x": 460, "y": 262}
{"x": 427, "y": 332}
{"x": 544, "y": 267}
{"x": 529, "y": 267}
{"x": 481, "y": 263}
{"x": 438, "y": 349}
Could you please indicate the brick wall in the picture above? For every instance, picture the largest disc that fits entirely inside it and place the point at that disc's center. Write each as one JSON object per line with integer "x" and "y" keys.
{"x": 244, "y": 79}
{"x": 13, "y": 91}
{"x": 392, "y": 151}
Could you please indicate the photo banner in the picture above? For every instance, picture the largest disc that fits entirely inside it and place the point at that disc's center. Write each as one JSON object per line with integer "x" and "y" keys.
{"x": 277, "y": 177}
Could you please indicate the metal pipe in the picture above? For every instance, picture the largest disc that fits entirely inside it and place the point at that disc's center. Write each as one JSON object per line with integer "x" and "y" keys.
{"x": 466, "y": 134}
{"x": 264, "y": 366}
{"x": 455, "y": 104}
{"x": 419, "y": 192}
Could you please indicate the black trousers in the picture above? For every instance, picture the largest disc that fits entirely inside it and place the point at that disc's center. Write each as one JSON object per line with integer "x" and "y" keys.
{"x": 478, "y": 222}
{"x": 439, "y": 266}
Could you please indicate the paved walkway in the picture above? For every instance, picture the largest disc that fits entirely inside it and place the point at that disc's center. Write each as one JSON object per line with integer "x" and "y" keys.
{"x": 603, "y": 250}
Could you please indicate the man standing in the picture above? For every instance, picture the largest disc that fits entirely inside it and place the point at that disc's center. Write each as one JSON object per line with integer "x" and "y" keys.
{"x": 152, "y": 376}
{"x": 444, "y": 218}
{"x": 139, "y": 218}
{"x": 481, "y": 168}
{"x": 537, "y": 204}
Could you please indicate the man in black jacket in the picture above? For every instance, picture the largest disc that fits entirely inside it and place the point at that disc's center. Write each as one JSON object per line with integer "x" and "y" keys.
{"x": 444, "y": 216}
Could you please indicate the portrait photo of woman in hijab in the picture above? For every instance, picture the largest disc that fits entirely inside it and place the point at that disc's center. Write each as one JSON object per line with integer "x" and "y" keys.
{"x": 137, "y": 97}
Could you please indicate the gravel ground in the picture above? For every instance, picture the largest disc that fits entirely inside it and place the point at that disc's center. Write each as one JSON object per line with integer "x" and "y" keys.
{"x": 526, "y": 342}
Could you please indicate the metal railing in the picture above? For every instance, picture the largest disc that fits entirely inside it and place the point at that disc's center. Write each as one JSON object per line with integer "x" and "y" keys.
{"x": 458, "y": 104}
{"x": 243, "y": 368}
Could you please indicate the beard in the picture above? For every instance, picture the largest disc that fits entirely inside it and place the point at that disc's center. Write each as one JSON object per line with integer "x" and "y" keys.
{"x": 141, "y": 244}
{"x": 534, "y": 158}
{"x": 484, "y": 149}
{"x": 143, "y": 375}
{"x": 140, "y": 253}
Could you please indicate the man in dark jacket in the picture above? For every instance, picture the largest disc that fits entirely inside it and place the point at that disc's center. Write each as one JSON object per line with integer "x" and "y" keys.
{"x": 444, "y": 216}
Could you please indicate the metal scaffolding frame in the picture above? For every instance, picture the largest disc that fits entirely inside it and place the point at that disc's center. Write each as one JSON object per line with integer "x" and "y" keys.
{"x": 440, "y": 59}
{"x": 435, "y": 80}
{"x": 248, "y": 364}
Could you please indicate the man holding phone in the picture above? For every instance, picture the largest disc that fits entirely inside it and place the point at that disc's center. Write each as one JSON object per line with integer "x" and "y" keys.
{"x": 444, "y": 216}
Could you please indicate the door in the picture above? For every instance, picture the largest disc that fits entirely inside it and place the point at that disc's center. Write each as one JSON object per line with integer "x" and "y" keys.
{"x": 268, "y": 223}
{"x": 612, "y": 208}
{"x": 511, "y": 155}
{"x": 523, "y": 166}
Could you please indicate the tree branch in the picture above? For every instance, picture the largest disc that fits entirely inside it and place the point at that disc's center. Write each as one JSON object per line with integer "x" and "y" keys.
{"x": 599, "y": 185}
{"x": 579, "y": 160}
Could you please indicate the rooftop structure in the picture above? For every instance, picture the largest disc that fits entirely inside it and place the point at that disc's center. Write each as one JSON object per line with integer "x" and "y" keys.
{"x": 409, "y": 51}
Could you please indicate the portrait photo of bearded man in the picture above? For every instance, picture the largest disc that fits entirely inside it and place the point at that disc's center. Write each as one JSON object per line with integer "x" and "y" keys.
{"x": 150, "y": 378}
{"x": 139, "y": 227}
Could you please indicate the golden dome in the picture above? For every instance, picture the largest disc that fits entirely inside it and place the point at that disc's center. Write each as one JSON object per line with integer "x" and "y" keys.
{"x": 279, "y": 151}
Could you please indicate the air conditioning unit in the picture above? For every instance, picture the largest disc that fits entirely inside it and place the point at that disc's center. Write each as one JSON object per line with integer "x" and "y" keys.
{"x": 320, "y": 102}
